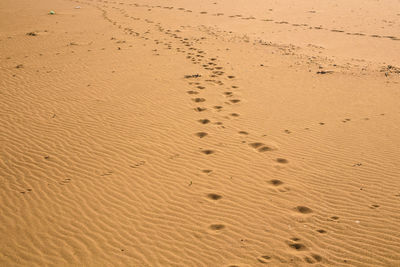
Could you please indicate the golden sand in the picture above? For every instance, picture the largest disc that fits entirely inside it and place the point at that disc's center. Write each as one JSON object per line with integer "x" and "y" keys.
{"x": 199, "y": 133}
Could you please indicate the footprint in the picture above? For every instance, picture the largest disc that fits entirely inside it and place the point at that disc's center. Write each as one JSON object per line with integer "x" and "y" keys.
{"x": 207, "y": 171}
{"x": 214, "y": 196}
{"x": 201, "y": 134}
{"x": 321, "y": 231}
{"x": 314, "y": 258}
{"x": 231, "y": 76}
{"x": 235, "y": 101}
{"x": 281, "y": 160}
{"x": 243, "y": 132}
{"x": 217, "y": 227}
{"x": 276, "y": 182}
{"x": 199, "y": 109}
{"x": 198, "y": 100}
{"x": 201, "y": 87}
{"x": 208, "y": 151}
{"x": 234, "y": 115}
{"x": 192, "y": 92}
{"x": 264, "y": 149}
{"x": 264, "y": 259}
{"x": 297, "y": 246}
{"x": 256, "y": 144}
{"x": 303, "y": 209}
{"x": 204, "y": 121}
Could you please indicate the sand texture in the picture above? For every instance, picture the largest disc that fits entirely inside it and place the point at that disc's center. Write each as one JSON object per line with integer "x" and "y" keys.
{"x": 200, "y": 133}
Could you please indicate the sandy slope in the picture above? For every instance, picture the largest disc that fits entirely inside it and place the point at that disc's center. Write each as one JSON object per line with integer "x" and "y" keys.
{"x": 199, "y": 134}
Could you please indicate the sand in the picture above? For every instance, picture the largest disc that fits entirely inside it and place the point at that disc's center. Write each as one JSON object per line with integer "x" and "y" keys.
{"x": 199, "y": 133}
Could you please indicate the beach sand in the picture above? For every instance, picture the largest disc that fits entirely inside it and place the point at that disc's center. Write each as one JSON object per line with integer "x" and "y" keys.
{"x": 199, "y": 133}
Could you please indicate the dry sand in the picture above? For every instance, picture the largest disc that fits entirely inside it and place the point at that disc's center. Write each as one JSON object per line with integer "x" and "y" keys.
{"x": 200, "y": 133}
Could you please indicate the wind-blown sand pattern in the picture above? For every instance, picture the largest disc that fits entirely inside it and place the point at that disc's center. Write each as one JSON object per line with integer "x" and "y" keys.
{"x": 199, "y": 133}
